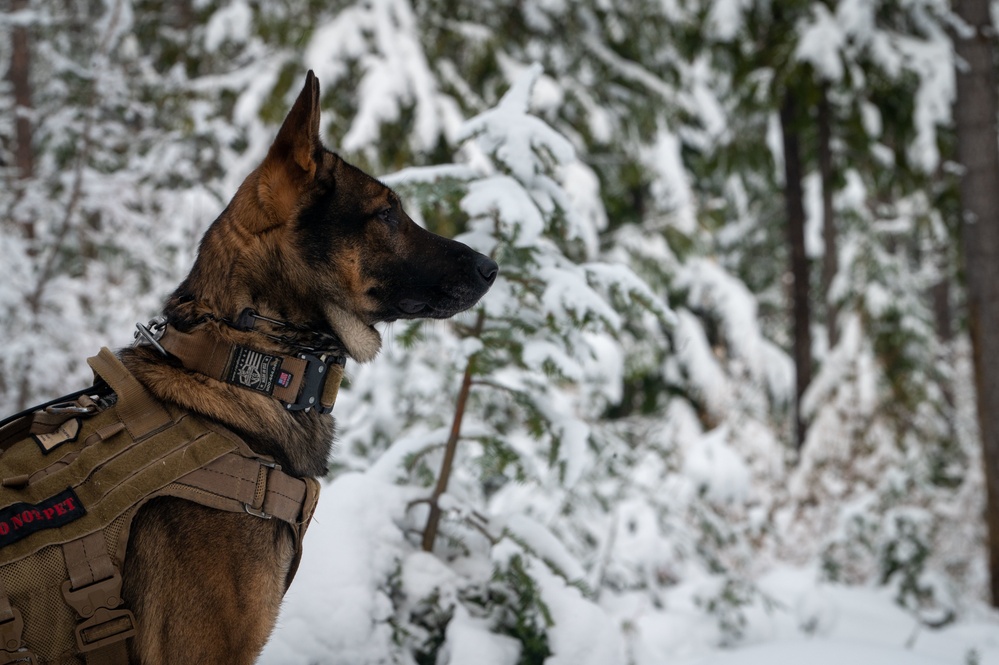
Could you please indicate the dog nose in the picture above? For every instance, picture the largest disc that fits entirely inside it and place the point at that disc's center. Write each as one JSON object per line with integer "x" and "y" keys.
{"x": 487, "y": 268}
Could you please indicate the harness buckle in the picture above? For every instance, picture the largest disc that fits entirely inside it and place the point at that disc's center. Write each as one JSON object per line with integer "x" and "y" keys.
{"x": 104, "y": 628}
{"x": 72, "y": 408}
{"x": 103, "y": 624}
{"x": 256, "y": 513}
{"x": 262, "y": 489}
{"x": 10, "y": 640}
{"x": 87, "y": 600}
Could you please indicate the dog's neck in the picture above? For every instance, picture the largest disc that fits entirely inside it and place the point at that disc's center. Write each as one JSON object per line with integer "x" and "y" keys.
{"x": 299, "y": 439}
{"x": 336, "y": 331}
{"x": 296, "y": 337}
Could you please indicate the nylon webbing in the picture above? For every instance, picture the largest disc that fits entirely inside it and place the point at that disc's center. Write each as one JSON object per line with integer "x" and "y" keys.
{"x": 115, "y": 653}
{"x": 137, "y": 409}
{"x": 6, "y": 612}
{"x": 309, "y": 503}
{"x": 240, "y": 483}
{"x": 87, "y": 560}
{"x": 11, "y": 629}
{"x": 94, "y": 592}
{"x": 332, "y": 386}
{"x": 206, "y": 354}
{"x": 14, "y": 431}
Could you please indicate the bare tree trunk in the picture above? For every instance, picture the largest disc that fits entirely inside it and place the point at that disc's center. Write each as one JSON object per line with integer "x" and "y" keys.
{"x": 24, "y": 153}
{"x": 434, "y": 517}
{"x": 801, "y": 311}
{"x": 978, "y": 150}
{"x": 943, "y": 322}
{"x": 830, "y": 257}
{"x": 20, "y": 67}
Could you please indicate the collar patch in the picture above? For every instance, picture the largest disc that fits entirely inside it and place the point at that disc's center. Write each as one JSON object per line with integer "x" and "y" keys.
{"x": 253, "y": 369}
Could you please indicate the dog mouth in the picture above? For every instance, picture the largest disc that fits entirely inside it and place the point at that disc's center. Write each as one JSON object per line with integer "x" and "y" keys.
{"x": 445, "y": 298}
{"x": 410, "y": 308}
{"x": 439, "y": 306}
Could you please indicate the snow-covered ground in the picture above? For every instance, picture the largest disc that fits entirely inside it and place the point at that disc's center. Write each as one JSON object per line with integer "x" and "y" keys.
{"x": 335, "y": 612}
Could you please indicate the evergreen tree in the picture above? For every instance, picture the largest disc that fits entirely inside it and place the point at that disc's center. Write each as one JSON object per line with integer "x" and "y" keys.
{"x": 91, "y": 222}
{"x": 540, "y": 362}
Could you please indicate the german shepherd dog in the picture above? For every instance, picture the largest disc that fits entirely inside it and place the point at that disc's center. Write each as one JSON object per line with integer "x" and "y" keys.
{"x": 312, "y": 241}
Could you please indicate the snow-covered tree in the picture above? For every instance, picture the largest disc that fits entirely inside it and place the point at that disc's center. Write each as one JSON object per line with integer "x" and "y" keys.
{"x": 541, "y": 362}
{"x": 99, "y": 219}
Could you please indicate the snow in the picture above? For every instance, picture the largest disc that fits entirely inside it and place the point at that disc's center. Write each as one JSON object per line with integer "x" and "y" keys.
{"x": 821, "y": 42}
{"x": 582, "y": 633}
{"x": 336, "y": 612}
{"x": 503, "y": 197}
{"x": 702, "y": 369}
{"x": 672, "y": 188}
{"x": 719, "y": 471}
{"x": 725, "y": 18}
{"x": 380, "y": 36}
{"x": 469, "y": 640}
{"x": 233, "y": 22}
{"x": 816, "y": 652}
{"x": 685, "y": 531}
{"x": 517, "y": 138}
{"x": 350, "y": 548}
{"x": 814, "y": 222}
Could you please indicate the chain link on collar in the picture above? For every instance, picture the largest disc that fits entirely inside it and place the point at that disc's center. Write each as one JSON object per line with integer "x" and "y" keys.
{"x": 325, "y": 343}
{"x": 321, "y": 343}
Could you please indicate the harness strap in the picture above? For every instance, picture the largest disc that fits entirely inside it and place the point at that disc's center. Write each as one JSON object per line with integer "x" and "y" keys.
{"x": 309, "y": 504}
{"x": 87, "y": 561}
{"x": 137, "y": 409}
{"x": 11, "y": 630}
{"x": 93, "y": 590}
{"x": 14, "y": 431}
{"x": 239, "y": 484}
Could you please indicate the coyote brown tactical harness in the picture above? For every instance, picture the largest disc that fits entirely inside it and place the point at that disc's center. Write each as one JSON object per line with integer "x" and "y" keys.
{"x": 74, "y": 475}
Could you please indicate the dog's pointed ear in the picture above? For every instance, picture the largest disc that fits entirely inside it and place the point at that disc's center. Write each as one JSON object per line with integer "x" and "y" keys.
{"x": 290, "y": 164}
{"x": 298, "y": 139}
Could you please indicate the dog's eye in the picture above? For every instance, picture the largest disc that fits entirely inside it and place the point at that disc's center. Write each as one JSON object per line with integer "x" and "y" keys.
{"x": 387, "y": 217}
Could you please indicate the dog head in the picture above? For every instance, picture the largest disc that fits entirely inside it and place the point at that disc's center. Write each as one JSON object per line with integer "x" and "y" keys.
{"x": 311, "y": 239}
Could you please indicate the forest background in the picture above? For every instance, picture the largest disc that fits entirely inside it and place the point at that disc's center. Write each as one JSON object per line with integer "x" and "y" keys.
{"x": 738, "y": 381}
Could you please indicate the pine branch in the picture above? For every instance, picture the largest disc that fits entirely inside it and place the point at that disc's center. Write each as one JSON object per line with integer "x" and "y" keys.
{"x": 433, "y": 520}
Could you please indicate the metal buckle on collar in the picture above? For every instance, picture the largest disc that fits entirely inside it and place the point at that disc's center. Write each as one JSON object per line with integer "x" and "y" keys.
{"x": 151, "y": 333}
{"x": 316, "y": 371}
{"x": 247, "y": 319}
{"x": 72, "y": 408}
